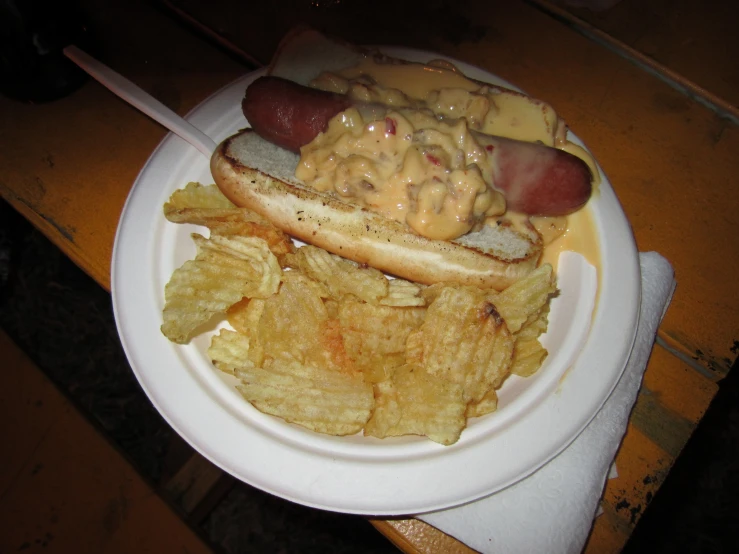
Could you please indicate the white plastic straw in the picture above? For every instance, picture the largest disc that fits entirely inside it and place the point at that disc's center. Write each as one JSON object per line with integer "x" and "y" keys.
{"x": 141, "y": 100}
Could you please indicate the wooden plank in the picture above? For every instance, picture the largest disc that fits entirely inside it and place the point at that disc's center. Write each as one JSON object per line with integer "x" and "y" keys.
{"x": 642, "y": 467}
{"x": 64, "y": 488}
{"x": 68, "y": 165}
{"x": 673, "y": 78}
{"x": 695, "y": 39}
{"x": 672, "y": 401}
{"x": 609, "y": 533}
{"x": 192, "y": 483}
{"x": 677, "y": 387}
{"x": 414, "y": 536}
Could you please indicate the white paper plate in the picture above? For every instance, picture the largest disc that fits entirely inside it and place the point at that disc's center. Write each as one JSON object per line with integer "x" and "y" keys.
{"x": 537, "y": 417}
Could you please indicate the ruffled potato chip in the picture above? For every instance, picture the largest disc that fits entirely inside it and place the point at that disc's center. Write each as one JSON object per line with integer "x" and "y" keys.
{"x": 206, "y": 206}
{"x": 331, "y": 352}
{"x": 528, "y": 352}
{"x": 244, "y": 316}
{"x": 292, "y": 320}
{"x": 403, "y": 293}
{"x": 225, "y": 270}
{"x": 432, "y": 292}
{"x": 487, "y": 405}
{"x": 195, "y": 195}
{"x": 229, "y": 350}
{"x": 463, "y": 340}
{"x": 320, "y": 399}
{"x": 341, "y": 276}
{"x": 375, "y": 336}
{"x": 413, "y": 402}
{"x": 278, "y": 242}
{"x": 525, "y": 297}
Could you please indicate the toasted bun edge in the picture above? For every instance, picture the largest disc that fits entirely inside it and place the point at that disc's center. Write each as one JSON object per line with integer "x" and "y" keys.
{"x": 354, "y": 232}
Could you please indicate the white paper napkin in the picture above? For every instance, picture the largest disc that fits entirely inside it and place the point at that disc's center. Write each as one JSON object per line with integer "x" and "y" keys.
{"x": 552, "y": 510}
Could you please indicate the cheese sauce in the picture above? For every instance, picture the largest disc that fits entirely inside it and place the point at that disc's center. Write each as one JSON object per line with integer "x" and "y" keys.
{"x": 408, "y": 166}
{"x": 578, "y": 235}
{"x": 418, "y": 162}
{"x": 509, "y": 113}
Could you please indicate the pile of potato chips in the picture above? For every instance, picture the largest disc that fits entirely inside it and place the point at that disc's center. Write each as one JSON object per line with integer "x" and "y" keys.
{"x": 337, "y": 347}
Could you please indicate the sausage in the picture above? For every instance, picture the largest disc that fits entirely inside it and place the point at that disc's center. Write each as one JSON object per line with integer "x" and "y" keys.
{"x": 535, "y": 179}
{"x": 288, "y": 114}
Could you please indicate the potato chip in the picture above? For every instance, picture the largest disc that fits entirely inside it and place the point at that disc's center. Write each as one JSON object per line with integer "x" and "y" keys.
{"x": 229, "y": 350}
{"x": 262, "y": 270}
{"x": 528, "y": 353}
{"x": 463, "y": 340}
{"x": 375, "y": 336}
{"x": 331, "y": 352}
{"x": 403, "y": 293}
{"x": 244, "y": 316}
{"x": 195, "y": 195}
{"x": 413, "y": 402}
{"x": 292, "y": 319}
{"x": 208, "y": 217}
{"x": 341, "y": 276}
{"x": 525, "y": 297}
{"x": 225, "y": 270}
{"x": 238, "y": 221}
{"x": 414, "y": 346}
{"x": 528, "y": 356}
{"x": 278, "y": 242}
{"x": 320, "y": 399}
{"x": 231, "y": 220}
{"x": 487, "y": 405}
{"x": 332, "y": 307}
{"x": 432, "y": 292}
{"x": 206, "y": 206}
{"x": 337, "y": 347}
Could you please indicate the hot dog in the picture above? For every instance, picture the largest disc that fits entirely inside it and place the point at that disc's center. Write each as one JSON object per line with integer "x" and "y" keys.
{"x": 539, "y": 180}
{"x": 535, "y": 179}
{"x": 259, "y": 175}
{"x": 431, "y": 223}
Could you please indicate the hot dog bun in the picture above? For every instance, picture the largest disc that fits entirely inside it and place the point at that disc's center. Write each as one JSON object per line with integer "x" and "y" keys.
{"x": 258, "y": 175}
